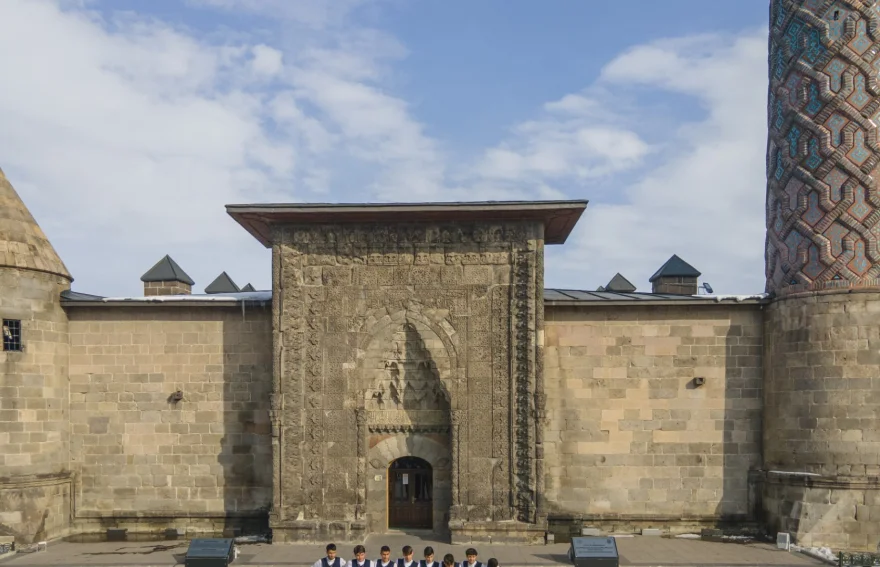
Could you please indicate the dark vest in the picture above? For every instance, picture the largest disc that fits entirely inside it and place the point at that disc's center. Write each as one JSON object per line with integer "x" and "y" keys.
{"x": 336, "y": 562}
{"x": 402, "y": 563}
{"x": 424, "y": 563}
{"x": 466, "y": 564}
{"x": 379, "y": 563}
{"x": 367, "y": 563}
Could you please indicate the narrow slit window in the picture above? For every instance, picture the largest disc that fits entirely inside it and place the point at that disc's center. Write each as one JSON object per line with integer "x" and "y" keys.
{"x": 11, "y": 335}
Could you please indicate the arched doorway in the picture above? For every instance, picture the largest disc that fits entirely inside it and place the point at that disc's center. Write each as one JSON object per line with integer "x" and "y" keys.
{"x": 410, "y": 494}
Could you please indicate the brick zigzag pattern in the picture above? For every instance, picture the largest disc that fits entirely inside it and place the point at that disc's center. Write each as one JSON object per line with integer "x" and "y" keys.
{"x": 823, "y": 205}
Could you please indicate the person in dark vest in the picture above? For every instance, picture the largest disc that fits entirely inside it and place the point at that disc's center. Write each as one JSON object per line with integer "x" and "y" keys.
{"x": 384, "y": 557}
{"x": 428, "y": 561}
{"x": 448, "y": 560}
{"x": 360, "y": 557}
{"x": 492, "y": 562}
{"x": 471, "y": 561}
{"x": 332, "y": 560}
{"x": 407, "y": 559}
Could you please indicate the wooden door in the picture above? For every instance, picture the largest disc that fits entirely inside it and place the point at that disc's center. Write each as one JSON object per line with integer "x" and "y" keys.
{"x": 410, "y": 494}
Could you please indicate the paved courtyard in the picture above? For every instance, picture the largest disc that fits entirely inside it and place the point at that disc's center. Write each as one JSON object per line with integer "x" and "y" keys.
{"x": 634, "y": 551}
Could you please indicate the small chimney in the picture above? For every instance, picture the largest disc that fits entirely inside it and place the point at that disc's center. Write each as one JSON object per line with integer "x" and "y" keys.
{"x": 620, "y": 284}
{"x": 675, "y": 277}
{"x": 167, "y": 278}
{"x": 222, "y": 284}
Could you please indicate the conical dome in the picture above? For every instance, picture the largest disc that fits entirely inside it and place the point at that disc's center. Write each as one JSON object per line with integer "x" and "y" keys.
{"x": 22, "y": 242}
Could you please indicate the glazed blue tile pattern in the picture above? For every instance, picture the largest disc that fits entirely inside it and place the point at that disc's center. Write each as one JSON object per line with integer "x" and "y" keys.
{"x": 822, "y": 169}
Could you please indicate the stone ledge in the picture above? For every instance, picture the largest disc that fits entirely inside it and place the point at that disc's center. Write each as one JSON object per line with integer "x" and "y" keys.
{"x": 317, "y": 531}
{"x": 30, "y": 481}
{"x": 464, "y": 532}
{"x": 822, "y": 481}
{"x": 172, "y": 514}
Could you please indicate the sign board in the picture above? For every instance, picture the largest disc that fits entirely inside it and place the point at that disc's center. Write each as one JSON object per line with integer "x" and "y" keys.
{"x": 594, "y": 552}
{"x": 209, "y": 553}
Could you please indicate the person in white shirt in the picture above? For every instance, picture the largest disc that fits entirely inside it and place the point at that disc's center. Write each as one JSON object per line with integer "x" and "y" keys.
{"x": 448, "y": 560}
{"x": 332, "y": 560}
{"x": 428, "y": 561}
{"x": 407, "y": 559}
{"x": 360, "y": 558}
{"x": 471, "y": 555}
{"x": 384, "y": 557}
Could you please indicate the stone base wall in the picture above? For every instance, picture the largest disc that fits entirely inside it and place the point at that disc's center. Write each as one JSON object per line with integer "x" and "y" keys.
{"x": 189, "y": 524}
{"x": 835, "y": 512}
{"x": 822, "y": 402}
{"x": 34, "y": 428}
{"x": 35, "y": 508}
{"x": 653, "y": 413}
{"x": 141, "y": 454}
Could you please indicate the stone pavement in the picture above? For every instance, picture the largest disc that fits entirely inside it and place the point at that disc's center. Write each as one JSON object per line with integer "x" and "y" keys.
{"x": 634, "y": 551}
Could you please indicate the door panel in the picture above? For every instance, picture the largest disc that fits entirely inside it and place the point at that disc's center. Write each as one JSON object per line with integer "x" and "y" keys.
{"x": 410, "y": 497}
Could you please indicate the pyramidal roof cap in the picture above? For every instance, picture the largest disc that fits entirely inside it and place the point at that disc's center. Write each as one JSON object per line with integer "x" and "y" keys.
{"x": 223, "y": 284}
{"x": 248, "y": 287}
{"x": 23, "y": 244}
{"x": 675, "y": 267}
{"x": 167, "y": 270}
{"x": 620, "y": 283}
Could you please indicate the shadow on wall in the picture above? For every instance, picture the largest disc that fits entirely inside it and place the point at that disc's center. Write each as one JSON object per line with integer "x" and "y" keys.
{"x": 244, "y": 431}
{"x": 740, "y": 502}
{"x": 403, "y": 377}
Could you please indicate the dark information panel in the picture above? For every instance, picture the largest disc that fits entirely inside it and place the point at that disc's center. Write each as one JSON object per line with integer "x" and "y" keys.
{"x": 594, "y": 552}
{"x": 209, "y": 553}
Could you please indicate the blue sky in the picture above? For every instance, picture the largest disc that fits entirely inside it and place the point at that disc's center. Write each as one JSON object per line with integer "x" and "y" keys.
{"x": 127, "y": 125}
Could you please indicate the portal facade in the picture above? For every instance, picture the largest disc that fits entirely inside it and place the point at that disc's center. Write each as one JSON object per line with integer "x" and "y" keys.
{"x": 407, "y": 333}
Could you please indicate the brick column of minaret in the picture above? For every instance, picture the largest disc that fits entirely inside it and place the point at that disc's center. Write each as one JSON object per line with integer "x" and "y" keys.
{"x": 822, "y": 334}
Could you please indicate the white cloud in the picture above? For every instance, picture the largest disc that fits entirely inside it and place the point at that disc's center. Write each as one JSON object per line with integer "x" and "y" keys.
{"x": 576, "y": 139}
{"x": 127, "y": 135}
{"x": 127, "y": 143}
{"x": 705, "y": 200}
{"x": 267, "y": 60}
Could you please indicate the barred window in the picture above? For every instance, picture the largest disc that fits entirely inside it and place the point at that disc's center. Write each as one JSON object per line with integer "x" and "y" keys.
{"x": 11, "y": 334}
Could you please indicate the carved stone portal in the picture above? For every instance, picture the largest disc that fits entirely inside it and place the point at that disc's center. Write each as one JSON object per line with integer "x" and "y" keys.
{"x": 408, "y": 378}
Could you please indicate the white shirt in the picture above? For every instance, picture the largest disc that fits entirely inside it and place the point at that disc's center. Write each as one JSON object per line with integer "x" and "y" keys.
{"x": 320, "y": 562}
{"x": 379, "y": 563}
{"x": 354, "y": 563}
{"x": 410, "y": 564}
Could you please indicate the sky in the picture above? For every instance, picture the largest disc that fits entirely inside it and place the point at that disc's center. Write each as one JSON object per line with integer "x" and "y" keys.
{"x": 126, "y": 126}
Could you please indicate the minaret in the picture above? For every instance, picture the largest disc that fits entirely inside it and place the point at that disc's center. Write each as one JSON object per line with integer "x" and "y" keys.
{"x": 36, "y": 488}
{"x": 822, "y": 332}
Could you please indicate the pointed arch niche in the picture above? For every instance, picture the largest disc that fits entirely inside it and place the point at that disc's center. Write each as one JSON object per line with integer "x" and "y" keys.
{"x": 407, "y": 388}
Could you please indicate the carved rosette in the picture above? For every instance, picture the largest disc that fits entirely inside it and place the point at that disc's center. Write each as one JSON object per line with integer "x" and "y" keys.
{"x": 823, "y": 222}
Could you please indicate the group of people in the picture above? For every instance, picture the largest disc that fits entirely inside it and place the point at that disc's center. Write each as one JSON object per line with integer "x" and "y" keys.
{"x": 360, "y": 559}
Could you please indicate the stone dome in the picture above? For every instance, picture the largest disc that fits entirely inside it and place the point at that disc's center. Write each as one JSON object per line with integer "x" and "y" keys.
{"x": 23, "y": 244}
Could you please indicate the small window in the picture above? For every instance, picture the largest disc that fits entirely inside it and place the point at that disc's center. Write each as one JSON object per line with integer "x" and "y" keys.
{"x": 11, "y": 334}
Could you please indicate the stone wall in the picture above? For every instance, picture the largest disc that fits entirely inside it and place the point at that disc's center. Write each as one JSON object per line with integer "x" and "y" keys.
{"x": 34, "y": 409}
{"x": 139, "y": 453}
{"x": 167, "y": 288}
{"x": 411, "y": 330}
{"x": 822, "y": 427}
{"x": 632, "y": 438}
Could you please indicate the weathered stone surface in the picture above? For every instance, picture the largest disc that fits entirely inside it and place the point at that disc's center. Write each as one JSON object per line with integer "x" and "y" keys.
{"x": 822, "y": 397}
{"x": 135, "y": 449}
{"x": 628, "y": 434}
{"x": 397, "y": 323}
{"x": 34, "y": 426}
